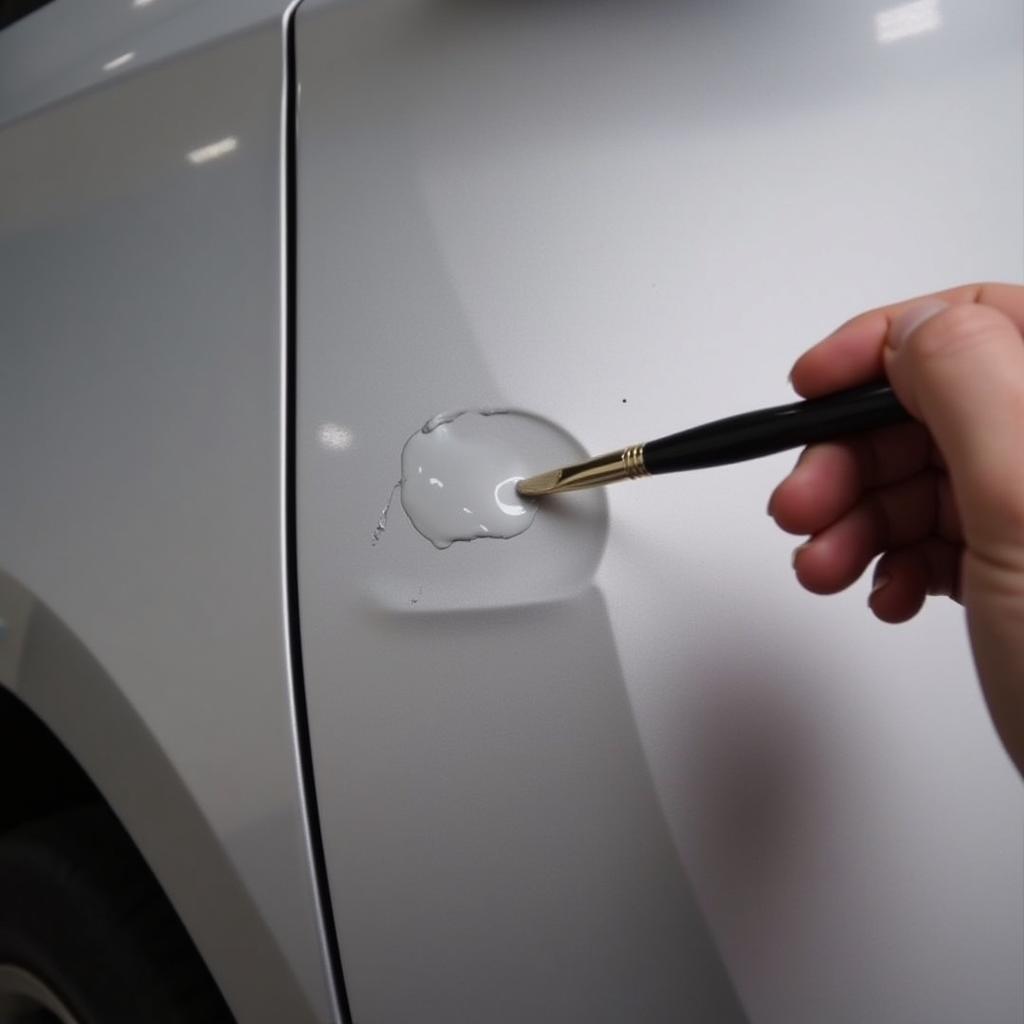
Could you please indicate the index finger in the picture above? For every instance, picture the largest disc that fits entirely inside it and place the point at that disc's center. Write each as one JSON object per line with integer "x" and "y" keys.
{"x": 852, "y": 355}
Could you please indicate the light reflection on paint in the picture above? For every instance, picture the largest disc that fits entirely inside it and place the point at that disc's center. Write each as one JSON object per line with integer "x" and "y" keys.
{"x": 334, "y": 437}
{"x": 516, "y": 508}
{"x": 213, "y": 150}
{"x": 907, "y": 20}
{"x": 119, "y": 62}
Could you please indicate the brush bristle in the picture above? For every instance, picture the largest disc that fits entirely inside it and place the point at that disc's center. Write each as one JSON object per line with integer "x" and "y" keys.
{"x": 538, "y": 486}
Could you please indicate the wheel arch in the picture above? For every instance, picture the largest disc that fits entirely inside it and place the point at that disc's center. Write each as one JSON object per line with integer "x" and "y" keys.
{"x": 68, "y": 735}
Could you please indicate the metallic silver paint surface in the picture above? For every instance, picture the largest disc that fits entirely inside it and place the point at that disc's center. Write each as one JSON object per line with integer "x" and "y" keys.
{"x": 140, "y": 400}
{"x": 69, "y": 46}
{"x": 529, "y": 752}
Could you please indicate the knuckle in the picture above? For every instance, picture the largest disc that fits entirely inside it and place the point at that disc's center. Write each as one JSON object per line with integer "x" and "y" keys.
{"x": 995, "y": 568}
{"x": 958, "y": 329}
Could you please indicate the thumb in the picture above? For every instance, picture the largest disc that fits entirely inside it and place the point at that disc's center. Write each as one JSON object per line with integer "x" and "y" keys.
{"x": 960, "y": 369}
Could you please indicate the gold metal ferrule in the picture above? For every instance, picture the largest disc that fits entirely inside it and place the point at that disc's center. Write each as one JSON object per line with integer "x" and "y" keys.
{"x": 627, "y": 464}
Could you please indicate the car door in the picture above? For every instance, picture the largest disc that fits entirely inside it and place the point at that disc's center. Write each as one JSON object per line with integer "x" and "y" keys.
{"x": 620, "y": 768}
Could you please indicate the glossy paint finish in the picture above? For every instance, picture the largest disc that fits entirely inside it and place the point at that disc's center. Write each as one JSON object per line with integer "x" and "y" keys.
{"x": 630, "y": 771}
{"x": 70, "y": 46}
{"x": 141, "y": 409}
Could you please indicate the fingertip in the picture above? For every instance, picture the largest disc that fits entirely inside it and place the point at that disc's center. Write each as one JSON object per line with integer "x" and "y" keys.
{"x": 806, "y": 572}
{"x": 814, "y": 569}
{"x": 897, "y": 592}
{"x": 851, "y": 355}
{"x": 786, "y": 509}
{"x": 820, "y": 488}
{"x": 893, "y": 612}
{"x": 803, "y": 375}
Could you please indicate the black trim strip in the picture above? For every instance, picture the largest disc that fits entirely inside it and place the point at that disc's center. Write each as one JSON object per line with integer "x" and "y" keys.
{"x": 290, "y": 242}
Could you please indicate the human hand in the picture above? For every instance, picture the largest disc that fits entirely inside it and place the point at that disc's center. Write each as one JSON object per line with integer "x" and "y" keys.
{"x": 941, "y": 499}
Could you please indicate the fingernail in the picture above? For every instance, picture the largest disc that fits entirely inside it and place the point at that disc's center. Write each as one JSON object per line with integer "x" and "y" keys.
{"x": 881, "y": 582}
{"x": 910, "y": 319}
{"x": 797, "y": 550}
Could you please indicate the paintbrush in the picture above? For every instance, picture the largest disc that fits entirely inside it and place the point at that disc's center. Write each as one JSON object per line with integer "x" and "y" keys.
{"x": 749, "y": 435}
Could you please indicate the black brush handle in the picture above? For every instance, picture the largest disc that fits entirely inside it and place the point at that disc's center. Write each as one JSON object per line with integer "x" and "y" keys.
{"x": 766, "y": 431}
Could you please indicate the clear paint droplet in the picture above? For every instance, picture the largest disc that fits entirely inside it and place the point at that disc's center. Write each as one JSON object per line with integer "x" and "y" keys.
{"x": 459, "y": 475}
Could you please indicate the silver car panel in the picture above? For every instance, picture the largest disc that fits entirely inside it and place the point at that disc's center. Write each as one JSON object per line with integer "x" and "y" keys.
{"x": 141, "y": 403}
{"x": 557, "y": 773}
{"x": 619, "y": 767}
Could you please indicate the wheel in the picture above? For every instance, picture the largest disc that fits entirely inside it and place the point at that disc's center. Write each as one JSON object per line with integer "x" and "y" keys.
{"x": 87, "y": 935}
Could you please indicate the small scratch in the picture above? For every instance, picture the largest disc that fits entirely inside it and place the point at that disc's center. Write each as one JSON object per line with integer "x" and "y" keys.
{"x": 382, "y": 519}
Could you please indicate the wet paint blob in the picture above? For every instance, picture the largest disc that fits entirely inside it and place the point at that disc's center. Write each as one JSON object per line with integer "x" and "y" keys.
{"x": 459, "y": 475}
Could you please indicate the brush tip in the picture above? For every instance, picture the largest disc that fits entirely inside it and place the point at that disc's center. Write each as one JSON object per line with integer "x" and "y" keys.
{"x": 538, "y": 486}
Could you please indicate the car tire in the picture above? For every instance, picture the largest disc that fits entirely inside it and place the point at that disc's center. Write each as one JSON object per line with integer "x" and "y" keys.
{"x": 87, "y": 935}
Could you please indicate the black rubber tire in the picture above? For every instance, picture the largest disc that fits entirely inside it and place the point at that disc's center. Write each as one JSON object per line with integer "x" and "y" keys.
{"x": 81, "y": 911}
